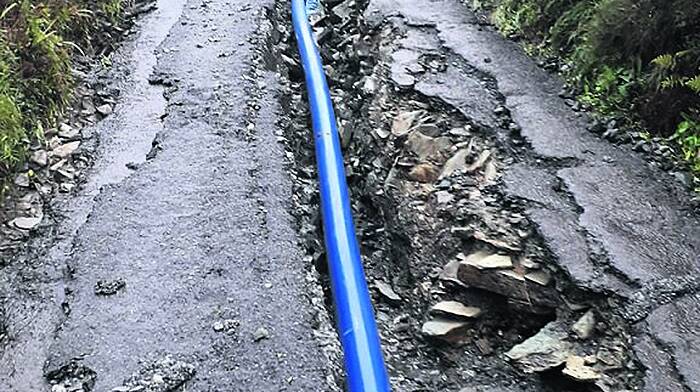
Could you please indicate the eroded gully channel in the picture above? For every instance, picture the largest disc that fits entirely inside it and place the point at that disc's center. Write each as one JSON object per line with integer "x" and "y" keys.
{"x": 485, "y": 240}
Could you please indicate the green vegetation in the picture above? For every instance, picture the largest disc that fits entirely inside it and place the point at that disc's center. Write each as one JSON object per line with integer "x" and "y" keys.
{"x": 639, "y": 59}
{"x": 37, "y": 42}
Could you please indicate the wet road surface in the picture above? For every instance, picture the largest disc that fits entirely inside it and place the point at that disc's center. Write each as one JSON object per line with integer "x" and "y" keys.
{"x": 202, "y": 277}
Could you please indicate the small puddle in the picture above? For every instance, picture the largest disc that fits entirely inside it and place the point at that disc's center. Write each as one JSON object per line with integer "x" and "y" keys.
{"x": 127, "y": 135}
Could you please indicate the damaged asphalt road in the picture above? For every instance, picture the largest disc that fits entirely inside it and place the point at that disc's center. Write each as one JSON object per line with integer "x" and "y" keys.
{"x": 176, "y": 266}
{"x": 507, "y": 245}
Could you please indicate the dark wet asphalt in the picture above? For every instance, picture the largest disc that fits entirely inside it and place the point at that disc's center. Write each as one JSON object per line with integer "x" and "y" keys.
{"x": 200, "y": 233}
{"x": 615, "y": 224}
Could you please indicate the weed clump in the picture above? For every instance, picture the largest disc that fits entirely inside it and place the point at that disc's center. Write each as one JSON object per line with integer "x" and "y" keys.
{"x": 38, "y": 40}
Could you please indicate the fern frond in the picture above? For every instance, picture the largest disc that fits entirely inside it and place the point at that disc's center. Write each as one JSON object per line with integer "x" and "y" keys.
{"x": 664, "y": 62}
{"x": 694, "y": 84}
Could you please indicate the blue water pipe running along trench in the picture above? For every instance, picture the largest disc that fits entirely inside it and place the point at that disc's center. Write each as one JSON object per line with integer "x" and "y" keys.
{"x": 364, "y": 363}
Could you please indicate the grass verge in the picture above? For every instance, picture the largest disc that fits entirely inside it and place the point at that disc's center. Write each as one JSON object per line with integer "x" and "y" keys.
{"x": 636, "y": 60}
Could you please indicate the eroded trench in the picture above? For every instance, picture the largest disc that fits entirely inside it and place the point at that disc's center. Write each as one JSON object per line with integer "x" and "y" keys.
{"x": 468, "y": 297}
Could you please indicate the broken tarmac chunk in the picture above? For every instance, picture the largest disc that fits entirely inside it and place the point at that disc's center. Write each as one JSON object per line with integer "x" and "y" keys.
{"x": 109, "y": 287}
{"x": 449, "y": 331}
{"x": 454, "y": 309}
{"x": 546, "y": 350}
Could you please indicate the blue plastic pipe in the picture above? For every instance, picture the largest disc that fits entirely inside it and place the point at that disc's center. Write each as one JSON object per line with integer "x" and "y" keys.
{"x": 364, "y": 363}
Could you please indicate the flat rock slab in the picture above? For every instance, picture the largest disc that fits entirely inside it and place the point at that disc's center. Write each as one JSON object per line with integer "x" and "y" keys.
{"x": 546, "y": 350}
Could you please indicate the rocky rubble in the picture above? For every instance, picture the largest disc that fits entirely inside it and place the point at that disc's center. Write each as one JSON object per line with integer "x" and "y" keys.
{"x": 164, "y": 375}
{"x": 466, "y": 294}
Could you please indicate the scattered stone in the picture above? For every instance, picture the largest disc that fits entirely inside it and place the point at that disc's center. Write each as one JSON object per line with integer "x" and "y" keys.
{"x": 26, "y": 223}
{"x": 486, "y": 260}
{"x": 455, "y": 164}
{"x": 105, "y": 109}
{"x": 382, "y": 133}
{"x": 65, "y": 150}
{"x": 490, "y": 171}
{"x": 584, "y": 327}
{"x": 425, "y": 146}
{"x": 447, "y": 330}
{"x": 529, "y": 264}
{"x": 540, "y": 277}
{"x": 577, "y": 370}
{"x": 229, "y": 326}
{"x": 404, "y": 121}
{"x": 484, "y": 271}
{"x": 387, "y": 291}
{"x": 66, "y": 187}
{"x": 67, "y": 172}
{"x": 39, "y": 158}
{"x": 444, "y": 197}
{"x": 73, "y": 376}
{"x": 109, "y": 287}
{"x": 455, "y": 309}
{"x": 424, "y": 172}
{"x": 67, "y": 132}
{"x": 403, "y": 79}
{"x": 484, "y": 345}
{"x": 449, "y": 273}
{"x": 415, "y": 68}
{"x": 58, "y": 165}
{"x": 480, "y": 236}
{"x": 165, "y": 375}
{"x": 480, "y": 161}
{"x": 546, "y": 350}
{"x": 370, "y": 85}
{"x": 261, "y": 334}
{"x": 22, "y": 180}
